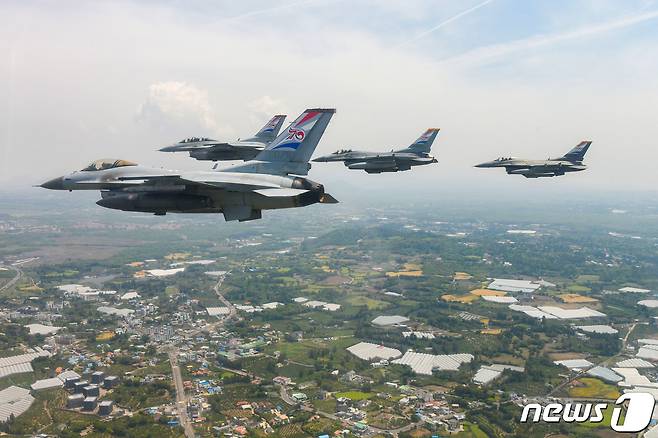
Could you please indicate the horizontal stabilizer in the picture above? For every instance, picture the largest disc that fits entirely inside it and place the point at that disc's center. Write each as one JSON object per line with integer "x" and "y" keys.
{"x": 326, "y": 198}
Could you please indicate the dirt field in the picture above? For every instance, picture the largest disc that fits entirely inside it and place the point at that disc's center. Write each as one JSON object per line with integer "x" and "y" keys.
{"x": 576, "y": 298}
{"x": 465, "y": 299}
{"x": 488, "y": 293}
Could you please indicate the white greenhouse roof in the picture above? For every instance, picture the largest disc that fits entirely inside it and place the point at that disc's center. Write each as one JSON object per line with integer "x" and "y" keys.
{"x": 509, "y": 285}
{"x": 605, "y": 374}
{"x": 368, "y": 351}
{"x": 583, "y": 312}
{"x": 389, "y": 320}
{"x": 574, "y": 364}
{"x": 216, "y": 311}
{"x": 634, "y": 363}
{"x": 531, "y": 311}
{"x": 53, "y": 382}
{"x": 423, "y": 363}
{"x": 635, "y": 290}
{"x": 40, "y": 329}
{"x": 602, "y": 329}
{"x": 500, "y": 300}
{"x": 14, "y": 401}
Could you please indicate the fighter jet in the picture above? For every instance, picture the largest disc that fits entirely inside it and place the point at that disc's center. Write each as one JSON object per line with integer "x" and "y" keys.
{"x": 239, "y": 192}
{"x": 572, "y": 161}
{"x": 416, "y": 154}
{"x": 208, "y": 149}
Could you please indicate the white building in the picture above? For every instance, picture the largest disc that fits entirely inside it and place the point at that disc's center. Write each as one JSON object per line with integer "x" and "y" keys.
{"x": 509, "y": 285}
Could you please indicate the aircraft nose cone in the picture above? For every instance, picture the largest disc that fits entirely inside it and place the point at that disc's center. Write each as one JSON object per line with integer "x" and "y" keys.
{"x": 54, "y": 184}
{"x": 483, "y": 165}
{"x": 320, "y": 159}
{"x": 168, "y": 149}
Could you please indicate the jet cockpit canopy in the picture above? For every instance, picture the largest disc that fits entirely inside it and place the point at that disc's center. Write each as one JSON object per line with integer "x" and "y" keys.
{"x": 195, "y": 139}
{"x": 107, "y": 163}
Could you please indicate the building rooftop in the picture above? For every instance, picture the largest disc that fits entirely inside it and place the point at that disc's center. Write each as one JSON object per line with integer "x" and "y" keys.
{"x": 13, "y": 402}
{"x": 601, "y": 329}
{"x": 605, "y": 374}
{"x": 510, "y": 285}
{"x": 583, "y": 312}
{"x": 423, "y": 363}
{"x": 635, "y": 290}
{"x": 651, "y": 304}
{"x": 389, "y": 320}
{"x": 47, "y": 384}
{"x": 531, "y": 311}
{"x": 40, "y": 329}
{"x": 368, "y": 351}
{"x": 634, "y": 363}
{"x": 500, "y": 300}
{"x": 216, "y": 311}
{"x": 574, "y": 364}
{"x": 115, "y": 311}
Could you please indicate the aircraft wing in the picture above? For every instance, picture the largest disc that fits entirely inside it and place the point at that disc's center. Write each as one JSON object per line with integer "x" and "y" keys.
{"x": 207, "y": 180}
{"x": 381, "y": 159}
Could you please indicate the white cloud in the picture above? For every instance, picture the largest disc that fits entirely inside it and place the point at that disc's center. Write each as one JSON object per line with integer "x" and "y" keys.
{"x": 76, "y": 79}
{"x": 178, "y": 103}
{"x": 265, "y": 107}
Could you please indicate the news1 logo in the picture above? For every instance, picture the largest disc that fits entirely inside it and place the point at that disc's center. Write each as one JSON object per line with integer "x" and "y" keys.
{"x": 638, "y": 413}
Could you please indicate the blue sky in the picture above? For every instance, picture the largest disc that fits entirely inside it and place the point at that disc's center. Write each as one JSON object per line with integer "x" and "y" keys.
{"x": 530, "y": 78}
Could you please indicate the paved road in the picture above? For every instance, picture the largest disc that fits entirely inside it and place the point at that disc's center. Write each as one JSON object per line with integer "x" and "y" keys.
{"x": 13, "y": 281}
{"x": 181, "y": 398}
{"x": 283, "y": 393}
{"x": 232, "y": 311}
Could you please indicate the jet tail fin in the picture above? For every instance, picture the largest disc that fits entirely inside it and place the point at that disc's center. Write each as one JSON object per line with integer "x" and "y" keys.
{"x": 424, "y": 143}
{"x": 290, "y": 152}
{"x": 577, "y": 154}
{"x": 297, "y": 143}
{"x": 271, "y": 129}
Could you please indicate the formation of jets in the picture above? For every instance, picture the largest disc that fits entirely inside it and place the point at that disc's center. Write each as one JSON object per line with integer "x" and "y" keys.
{"x": 273, "y": 174}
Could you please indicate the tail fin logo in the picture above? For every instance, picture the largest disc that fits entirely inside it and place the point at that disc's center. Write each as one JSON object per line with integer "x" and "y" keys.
{"x": 294, "y": 138}
{"x": 426, "y": 136}
{"x": 296, "y": 134}
{"x": 297, "y": 131}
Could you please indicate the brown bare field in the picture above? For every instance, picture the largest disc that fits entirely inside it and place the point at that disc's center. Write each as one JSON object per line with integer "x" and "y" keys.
{"x": 464, "y": 299}
{"x": 576, "y": 298}
{"x": 488, "y": 293}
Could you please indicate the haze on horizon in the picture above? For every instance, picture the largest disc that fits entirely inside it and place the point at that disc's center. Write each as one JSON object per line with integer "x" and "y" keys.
{"x": 85, "y": 80}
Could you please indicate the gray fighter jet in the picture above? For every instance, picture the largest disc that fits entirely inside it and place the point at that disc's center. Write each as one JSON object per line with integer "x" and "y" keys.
{"x": 240, "y": 191}
{"x": 416, "y": 154}
{"x": 242, "y": 149}
{"x": 572, "y": 161}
